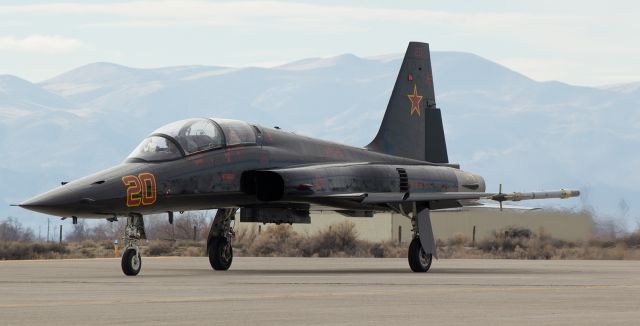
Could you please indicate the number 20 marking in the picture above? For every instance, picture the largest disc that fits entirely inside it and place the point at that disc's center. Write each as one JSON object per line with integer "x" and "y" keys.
{"x": 141, "y": 189}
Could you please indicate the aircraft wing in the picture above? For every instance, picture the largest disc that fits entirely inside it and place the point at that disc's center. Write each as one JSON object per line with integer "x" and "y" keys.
{"x": 314, "y": 183}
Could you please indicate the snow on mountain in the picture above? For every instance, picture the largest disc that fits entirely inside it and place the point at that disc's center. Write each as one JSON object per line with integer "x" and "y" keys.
{"x": 623, "y": 88}
{"x": 20, "y": 98}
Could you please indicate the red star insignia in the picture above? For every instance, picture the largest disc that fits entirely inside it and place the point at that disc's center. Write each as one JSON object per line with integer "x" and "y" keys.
{"x": 415, "y": 100}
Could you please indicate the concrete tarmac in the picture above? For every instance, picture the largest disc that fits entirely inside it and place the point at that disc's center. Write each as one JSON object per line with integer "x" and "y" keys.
{"x": 319, "y": 291}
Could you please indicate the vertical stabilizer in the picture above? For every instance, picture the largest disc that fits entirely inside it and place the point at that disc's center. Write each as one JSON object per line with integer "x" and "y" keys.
{"x": 412, "y": 125}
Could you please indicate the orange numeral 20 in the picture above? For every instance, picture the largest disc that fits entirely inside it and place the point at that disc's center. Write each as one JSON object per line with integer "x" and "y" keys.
{"x": 141, "y": 189}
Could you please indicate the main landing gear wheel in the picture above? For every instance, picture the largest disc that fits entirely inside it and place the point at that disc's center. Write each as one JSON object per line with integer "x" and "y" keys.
{"x": 419, "y": 261}
{"x": 220, "y": 253}
{"x": 131, "y": 262}
{"x": 219, "y": 239}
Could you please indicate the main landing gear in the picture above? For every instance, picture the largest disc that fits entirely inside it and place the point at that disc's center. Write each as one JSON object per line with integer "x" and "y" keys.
{"x": 134, "y": 232}
{"x": 423, "y": 246}
{"x": 219, "y": 240}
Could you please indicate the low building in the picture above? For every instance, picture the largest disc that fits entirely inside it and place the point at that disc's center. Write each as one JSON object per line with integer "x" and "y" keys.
{"x": 563, "y": 225}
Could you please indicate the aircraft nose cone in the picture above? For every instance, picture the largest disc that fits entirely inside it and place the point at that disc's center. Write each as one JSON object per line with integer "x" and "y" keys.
{"x": 54, "y": 202}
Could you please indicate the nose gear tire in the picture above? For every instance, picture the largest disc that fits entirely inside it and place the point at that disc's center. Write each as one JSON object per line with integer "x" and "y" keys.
{"x": 131, "y": 262}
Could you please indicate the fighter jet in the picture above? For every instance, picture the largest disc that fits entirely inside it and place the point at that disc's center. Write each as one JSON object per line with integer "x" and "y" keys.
{"x": 273, "y": 176}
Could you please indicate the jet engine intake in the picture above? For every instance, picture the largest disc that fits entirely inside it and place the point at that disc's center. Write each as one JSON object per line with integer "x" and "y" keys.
{"x": 266, "y": 185}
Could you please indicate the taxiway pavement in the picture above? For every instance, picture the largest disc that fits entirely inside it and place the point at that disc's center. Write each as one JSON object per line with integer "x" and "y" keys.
{"x": 320, "y": 291}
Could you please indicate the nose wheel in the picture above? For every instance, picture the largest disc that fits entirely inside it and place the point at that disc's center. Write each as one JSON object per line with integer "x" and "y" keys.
{"x": 131, "y": 260}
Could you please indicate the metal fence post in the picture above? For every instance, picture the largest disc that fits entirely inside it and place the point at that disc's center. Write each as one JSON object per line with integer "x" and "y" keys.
{"x": 473, "y": 241}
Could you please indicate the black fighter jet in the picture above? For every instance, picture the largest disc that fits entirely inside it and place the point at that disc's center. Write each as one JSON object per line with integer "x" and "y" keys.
{"x": 274, "y": 176}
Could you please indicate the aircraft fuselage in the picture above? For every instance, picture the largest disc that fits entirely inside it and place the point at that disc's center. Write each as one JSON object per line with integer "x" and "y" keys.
{"x": 214, "y": 179}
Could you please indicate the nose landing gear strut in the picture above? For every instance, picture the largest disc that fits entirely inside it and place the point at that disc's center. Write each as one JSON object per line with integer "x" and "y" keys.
{"x": 423, "y": 245}
{"x": 134, "y": 232}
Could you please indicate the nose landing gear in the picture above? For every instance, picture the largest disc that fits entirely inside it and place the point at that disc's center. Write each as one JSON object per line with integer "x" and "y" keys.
{"x": 131, "y": 262}
{"x": 134, "y": 232}
{"x": 219, "y": 240}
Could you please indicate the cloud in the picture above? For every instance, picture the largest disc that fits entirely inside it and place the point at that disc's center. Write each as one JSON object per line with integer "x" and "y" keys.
{"x": 494, "y": 154}
{"x": 559, "y": 42}
{"x": 539, "y": 69}
{"x": 293, "y": 14}
{"x": 40, "y": 44}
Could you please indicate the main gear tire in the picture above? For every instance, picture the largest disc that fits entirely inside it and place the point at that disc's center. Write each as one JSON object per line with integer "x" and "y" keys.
{"x": 220, "y": 253}
{"x": 419, "y": 261}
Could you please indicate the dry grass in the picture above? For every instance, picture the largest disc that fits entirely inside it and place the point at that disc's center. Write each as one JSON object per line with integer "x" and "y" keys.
{"x": 11, "y": 250}
{"x": 519, "y": 243}
{"x": 341, "y": 240}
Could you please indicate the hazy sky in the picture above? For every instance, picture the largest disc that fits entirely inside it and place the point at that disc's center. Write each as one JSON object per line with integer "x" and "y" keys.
{"x": 580, "y": 42}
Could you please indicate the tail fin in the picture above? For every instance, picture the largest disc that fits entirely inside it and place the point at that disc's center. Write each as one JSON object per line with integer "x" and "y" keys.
{"x": 412, "y": 125}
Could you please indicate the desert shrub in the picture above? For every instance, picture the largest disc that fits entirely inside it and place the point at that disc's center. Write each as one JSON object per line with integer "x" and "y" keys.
{"x": 600, "y": 242}
{"x": 458, "y": 240}
{"x": 377, "y": 250}
{"x": 632, "y": 240}
{"x": 245, "y": 237}
{"x": 106, "y": 245}
{"x": 506, "y": 240}
{"x": 85, "y": 252}
{"x": 88, "y": 244}
{"x": 188, "y": 243}
{"x": 30, "y": 250}
{"x": 160, "y": 248}
{"x": 194, "y": 252}
{"x": 388, "y": 249}
{"x": 277, "y": 240}
{"x": 340, "y": 238}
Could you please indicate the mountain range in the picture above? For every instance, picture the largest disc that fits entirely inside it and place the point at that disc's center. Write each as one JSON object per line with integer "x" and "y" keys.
{"x": 525, "y": 134}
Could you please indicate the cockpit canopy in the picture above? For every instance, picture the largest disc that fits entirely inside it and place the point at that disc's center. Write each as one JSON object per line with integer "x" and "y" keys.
{"x": 186, "y": 137}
